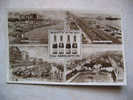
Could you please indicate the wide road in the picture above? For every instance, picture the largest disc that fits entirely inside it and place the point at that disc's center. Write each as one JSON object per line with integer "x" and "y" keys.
{"x": 92, "y": 33}
{"x": 93, "y": 77}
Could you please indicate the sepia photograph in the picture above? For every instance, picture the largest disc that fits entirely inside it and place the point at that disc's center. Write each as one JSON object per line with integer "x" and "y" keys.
{"x": 28, "y": 63}
{"x": 65, "y": 47}
{"x": 97, "y": 67}
{"x": 31, "y": 27}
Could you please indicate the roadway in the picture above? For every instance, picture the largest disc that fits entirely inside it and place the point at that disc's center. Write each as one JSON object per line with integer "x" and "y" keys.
{"x": 93, "y": 34}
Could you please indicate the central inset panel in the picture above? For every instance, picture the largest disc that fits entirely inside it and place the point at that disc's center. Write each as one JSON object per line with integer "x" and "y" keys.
{"x": 64, "y": 43}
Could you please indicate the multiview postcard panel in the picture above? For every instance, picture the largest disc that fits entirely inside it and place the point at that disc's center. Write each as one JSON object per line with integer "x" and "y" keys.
{"x": 65, "y": 47}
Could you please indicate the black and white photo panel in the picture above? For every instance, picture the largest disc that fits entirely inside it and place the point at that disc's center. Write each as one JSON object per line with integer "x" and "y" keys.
{"x": 65, "y": 47}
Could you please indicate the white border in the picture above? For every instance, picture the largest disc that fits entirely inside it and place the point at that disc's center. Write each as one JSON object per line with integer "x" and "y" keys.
{"x": 66, "y": 83}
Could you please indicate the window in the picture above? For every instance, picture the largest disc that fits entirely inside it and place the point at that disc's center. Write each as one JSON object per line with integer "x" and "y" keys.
{"x": 74, "y": 38}
{"x": 55, "y": 44}
{"x": 68, "y": 37}
{"x": 61, "y": 38}
{"x": 54, "y": 38}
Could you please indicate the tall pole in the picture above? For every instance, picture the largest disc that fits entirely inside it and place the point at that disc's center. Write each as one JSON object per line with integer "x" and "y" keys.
{"x": 65, "y": 70}
{"x": 65, "y": 61}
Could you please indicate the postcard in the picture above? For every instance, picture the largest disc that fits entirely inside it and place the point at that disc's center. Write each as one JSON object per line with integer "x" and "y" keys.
{"x": 65, "y": 47}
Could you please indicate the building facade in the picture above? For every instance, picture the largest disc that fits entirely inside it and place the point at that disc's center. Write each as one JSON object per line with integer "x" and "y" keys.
{"x": 64, "y": 43}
